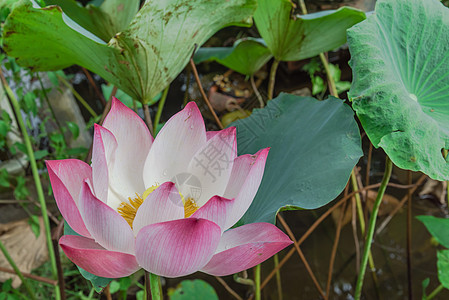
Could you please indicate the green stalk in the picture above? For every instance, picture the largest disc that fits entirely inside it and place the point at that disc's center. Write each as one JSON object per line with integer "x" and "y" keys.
{"x": 78, "y": 97}
{"x": 372, "y": 225}
{"x": 160, "y": 107}
{"x": 257, "y": 282}
{"x": 274, "y": 67}
{"x": 16, "y": 269}
{"x": 331, "y": 81}
{"x": 152, "y": 286}
{"x": 278, "y": 277}
{"x": 435, "y": 292}
{"x": 37, "y": 181}
{"x": 358, "y": 202}
{"x": 303, "y": 7}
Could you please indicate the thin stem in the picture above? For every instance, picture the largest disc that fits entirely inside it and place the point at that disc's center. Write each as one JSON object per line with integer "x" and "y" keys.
{"x": 78, "y": 97}
{"x": 301, "y": 255}
{"x": 330, "y": 79}
{"x": 58, "y": 231}
{"x": 435, "y": 292}
{"x": 244, "y": 280}
{"x": 362, "y": 224}
{"x": 372, "y": 224}
{"x": 197, "y": 78}
{"x": 354, "y": 233}
{"x": 278, "y": 277}
{"x": 154, "y": 285}
{"x": 409, "y": 239}
{"x": 274, "y": 67}
{"x": 146, "y": 114}
{"x": 320, "y": 220}
{"x": 31, "y": 276}
{"x": 16, "y": 269}
{"x": 358, "y": 201}
{"x": 331, "y": 82}
{"x": 401, "y": 203}
{"x": 147, "y": 286}
{"x": 160, "y": 107}
{"x": 92, "y": 83}
{"x": 303, "y": 7}
{"x": 228, "y": 288}
{"x": 256, "y": 91}
{"x": 37, "y": 181}
{"x": 107, "y": 293}
{"x": 334, "y": 250}
{"x": 257, "y": 282}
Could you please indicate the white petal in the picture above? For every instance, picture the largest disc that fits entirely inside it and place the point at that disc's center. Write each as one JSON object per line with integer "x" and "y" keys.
{"x": 174, "y": 146}
{"x": 134, "y": 142}
{"x": 212, "y": 165}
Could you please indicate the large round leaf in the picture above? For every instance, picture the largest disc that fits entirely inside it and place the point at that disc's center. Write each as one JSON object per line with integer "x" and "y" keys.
{"x": 193, "y": 290}
{"x": 142, "y": 60}
{"x": 296, "y": 37}
{"x": 314, "y": 146}
{"x": 246, "y": 56}
{"x": 400, "y": 90}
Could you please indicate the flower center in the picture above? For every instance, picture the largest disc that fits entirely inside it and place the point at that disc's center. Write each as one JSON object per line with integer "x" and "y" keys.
{"x": 128, "y": 210}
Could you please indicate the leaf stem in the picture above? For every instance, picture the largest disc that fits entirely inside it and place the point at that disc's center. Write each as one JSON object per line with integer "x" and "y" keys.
{"x": 160, "y": 107}
{"x": 152, "y": 286}
{"x": 256, "y": 91}
{"x": 330, "y": 79}
{"x": 278, "y": 276}
{"x": 303, "y": 7}
{"x": 37, "y": 181}
{"x": 257, "y": 282}
{"x": 198, "y": 81}
{"x": 274, "y": 67}
{"x": 372, "y": 224}
{"x": 147, "y": 116}
{"x": 435, "y": 292}
{"x": 16, "y": 269}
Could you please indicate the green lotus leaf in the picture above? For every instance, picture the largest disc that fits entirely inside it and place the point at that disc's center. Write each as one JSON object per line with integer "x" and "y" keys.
{"x": 246, "y": 56}
{"x": 443, "y": 267}
{"x": 437, "y": 227}
{"x": 314, "y": 146}
{"x": 141, "y": 60}
{"x": 295, "y": 37}
{"x": 111, "y": 17}
{"x": 193, "y": 290}
{"x": 399, "y": 57}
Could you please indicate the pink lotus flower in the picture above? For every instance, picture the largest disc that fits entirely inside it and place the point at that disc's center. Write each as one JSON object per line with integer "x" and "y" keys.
{"x": 164, "y": 205}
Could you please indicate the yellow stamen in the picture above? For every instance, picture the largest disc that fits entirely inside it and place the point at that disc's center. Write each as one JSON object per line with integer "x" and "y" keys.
{"x": 128, "y": 210}
{"x": 190, "y": 207}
